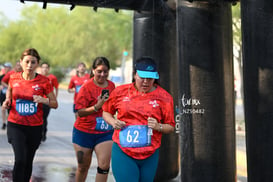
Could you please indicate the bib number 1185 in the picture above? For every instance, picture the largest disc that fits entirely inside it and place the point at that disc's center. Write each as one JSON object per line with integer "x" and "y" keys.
{"x": 26, "y": 107}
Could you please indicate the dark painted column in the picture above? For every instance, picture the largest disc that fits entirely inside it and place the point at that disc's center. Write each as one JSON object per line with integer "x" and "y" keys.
{"x": 206, "y": 92}
{"x": 155, "y": 36}
{"x": 257, "y": 36}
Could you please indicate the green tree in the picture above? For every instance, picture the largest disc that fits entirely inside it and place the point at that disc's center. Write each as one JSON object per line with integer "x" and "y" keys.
{"x": 65, "y": 37}
{"x": 12, "y": 38}
{"x": 236, "y": 25}
{"x": 237, "y": 40}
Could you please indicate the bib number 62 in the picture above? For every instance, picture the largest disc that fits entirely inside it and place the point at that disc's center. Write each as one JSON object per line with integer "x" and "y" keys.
{"x": 135, "y": 136}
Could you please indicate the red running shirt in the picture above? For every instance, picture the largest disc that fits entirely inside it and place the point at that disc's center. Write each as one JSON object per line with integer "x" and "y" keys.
{"x": 7, "y": 76}
{"x": 87, "y": 97}
{"x": 134, "y": 108}
{"x": 53, "y": 80}
{"x": 23, "y": 110}
{"x": 76, "y": 82}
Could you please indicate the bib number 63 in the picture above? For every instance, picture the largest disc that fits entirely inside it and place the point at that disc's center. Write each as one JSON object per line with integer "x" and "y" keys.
{"x": 101, "y": 125}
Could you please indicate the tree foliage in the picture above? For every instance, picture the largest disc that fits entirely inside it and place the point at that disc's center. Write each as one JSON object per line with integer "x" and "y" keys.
{"x": 236, "y": 25}
{"x": 237, "y": 44}
{"x": 65, "y": 38}
{"x": 237, "y": 37}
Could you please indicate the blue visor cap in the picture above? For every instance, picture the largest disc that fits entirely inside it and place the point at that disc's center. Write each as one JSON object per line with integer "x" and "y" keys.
{"x": 146, "y": 70}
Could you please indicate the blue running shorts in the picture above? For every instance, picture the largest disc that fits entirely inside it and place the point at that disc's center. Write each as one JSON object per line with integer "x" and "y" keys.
{"x": 89, "y": 140}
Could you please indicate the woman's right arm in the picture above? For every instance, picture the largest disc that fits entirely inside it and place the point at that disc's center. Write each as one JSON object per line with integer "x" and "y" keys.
{"x": 92, "y": 109}
{"x": 7, "y": 102}
{"x": 4, "y": 84}
{"x": 87, "y": 111}
{"x": 71, "y": 90}
{"x": 71, "y": 87}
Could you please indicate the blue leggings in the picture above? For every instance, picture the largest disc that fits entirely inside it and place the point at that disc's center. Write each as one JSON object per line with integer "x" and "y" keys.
{"x": 126, "y": 168}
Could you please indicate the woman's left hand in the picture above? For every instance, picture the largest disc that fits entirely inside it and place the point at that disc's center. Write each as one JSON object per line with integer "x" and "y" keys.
{"x": 40, "y": 99}
{"x": 152, "y": 123}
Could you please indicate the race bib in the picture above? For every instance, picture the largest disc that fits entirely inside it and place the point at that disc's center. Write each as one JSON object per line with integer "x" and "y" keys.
{"x": 102, "y": 125}
{"x": 4, "y": 90}
{"x": 78, "y": 87}
{"x": 26, "y": 107}
{"x": 135, "y": 136}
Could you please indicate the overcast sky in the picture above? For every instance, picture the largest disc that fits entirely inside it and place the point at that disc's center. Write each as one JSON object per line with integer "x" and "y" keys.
{"x": 12, "y": 8}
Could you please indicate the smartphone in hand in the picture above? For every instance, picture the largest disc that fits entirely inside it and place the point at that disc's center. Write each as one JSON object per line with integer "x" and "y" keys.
{"x": 105, "y": 92}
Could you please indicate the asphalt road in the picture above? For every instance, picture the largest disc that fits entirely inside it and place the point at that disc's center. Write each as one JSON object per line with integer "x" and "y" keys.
{"x": 55, "y": 160}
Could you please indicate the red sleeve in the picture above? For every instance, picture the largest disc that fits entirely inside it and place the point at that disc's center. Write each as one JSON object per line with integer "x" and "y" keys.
{"x": 54, "y": 81}
{"x": 7, "y": 77}
{"x": 84, "y": 98}
{"x": 71, "y": 83}
{"x": 47, "y": 85}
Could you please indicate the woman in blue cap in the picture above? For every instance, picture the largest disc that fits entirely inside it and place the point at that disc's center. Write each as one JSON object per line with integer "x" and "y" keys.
{"x": 144, "y": 112}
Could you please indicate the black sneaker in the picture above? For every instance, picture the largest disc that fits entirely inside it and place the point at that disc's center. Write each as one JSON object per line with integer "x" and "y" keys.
{"x": 4, "y": 126}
